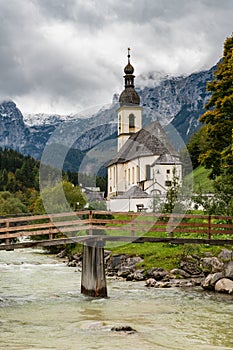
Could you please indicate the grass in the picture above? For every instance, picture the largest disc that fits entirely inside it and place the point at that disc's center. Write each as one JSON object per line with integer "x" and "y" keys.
{"x": 163, "y": 255}
{"x": 201, "y": 180}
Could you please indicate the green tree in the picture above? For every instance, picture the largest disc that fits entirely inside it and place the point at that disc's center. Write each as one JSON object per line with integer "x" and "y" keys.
{"x": 221, "y": 202}
{"x": 54, "y": 199}
{"x": 173, "y": 200}
{"x": 196, "y": 146}
{"x": 218, "y": 118}
{"x": 10, "y": 204}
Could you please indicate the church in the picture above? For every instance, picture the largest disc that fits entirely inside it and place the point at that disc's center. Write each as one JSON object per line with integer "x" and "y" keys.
{"x": 146, "y": 160}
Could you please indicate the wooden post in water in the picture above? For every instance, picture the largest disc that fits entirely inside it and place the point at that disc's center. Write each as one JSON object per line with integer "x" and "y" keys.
{"x": 93, "y": 282}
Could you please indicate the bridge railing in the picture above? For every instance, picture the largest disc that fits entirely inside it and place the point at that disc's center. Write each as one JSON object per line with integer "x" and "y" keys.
{"x": 171, "y": 225}
{"x": 109, "y": 224}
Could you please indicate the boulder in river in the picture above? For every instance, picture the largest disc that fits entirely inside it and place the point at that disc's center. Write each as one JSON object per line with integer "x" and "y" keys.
{"x": 179, "y": 273}
{"x": 211, "y": 279}
{"x": 136, "y": 276}
{"x": 228, "y": 270}
{"x": 225, "y": 255}
{"x": 211, "y": 265}
{"x": 157, "y": 273}
{"x": 224, "y": 285}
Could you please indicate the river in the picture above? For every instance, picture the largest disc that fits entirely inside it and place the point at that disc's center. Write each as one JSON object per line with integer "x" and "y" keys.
{"x": 41, "y": 308}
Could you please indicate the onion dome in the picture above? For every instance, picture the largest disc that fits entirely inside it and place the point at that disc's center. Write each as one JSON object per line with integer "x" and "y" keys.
{"x": 129, "y": 95}
{"x": 129, "y": 69}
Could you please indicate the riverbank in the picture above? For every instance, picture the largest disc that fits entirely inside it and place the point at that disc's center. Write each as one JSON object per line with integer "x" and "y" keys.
{"x": 212, "y": 273}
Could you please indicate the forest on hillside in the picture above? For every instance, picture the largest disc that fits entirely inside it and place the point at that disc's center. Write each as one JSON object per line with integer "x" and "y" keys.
{"x": 20, "y": 188}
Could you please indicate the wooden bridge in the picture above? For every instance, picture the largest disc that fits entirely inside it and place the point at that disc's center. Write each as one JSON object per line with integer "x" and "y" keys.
{"x": 94, "y": 228}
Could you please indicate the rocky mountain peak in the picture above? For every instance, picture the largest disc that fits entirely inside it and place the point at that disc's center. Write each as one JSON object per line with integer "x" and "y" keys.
{"x": 176, "y": 100}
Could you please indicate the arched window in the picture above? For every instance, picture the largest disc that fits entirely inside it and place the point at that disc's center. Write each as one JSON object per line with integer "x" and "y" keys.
{"x": 131, "y": 121}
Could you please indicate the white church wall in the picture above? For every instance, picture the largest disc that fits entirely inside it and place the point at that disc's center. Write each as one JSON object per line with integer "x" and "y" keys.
{"x": 129, "y": 204}
{"x": 162, "y": 174}
{"x": 123, "y": 118}
{"x": 124, "y": 130}
{"x": 143, "y": 162}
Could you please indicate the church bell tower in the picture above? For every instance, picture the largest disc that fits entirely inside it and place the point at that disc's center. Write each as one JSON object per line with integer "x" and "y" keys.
{"x": 130, "y": 111}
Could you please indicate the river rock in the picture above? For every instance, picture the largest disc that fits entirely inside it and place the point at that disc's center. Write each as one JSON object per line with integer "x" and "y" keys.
{"x": 228, "y": 270}
{"x": 107, "y": 256}
{"x": 61, "y": 254}
{"x": 225, "y": 255}
{"x": 191, "y": 266}
{"x": 72, "y": 263}
{"x": 177, "y": 273}
{"x": 224, "y": 285}
{"x": 75, "y": 260}
{"x": 122, "y": 260}
{"x": 125, "y": 329}
{"x": 150, "y": 282}
{"x": 211, "y": 265}
{"x": 136, "y": 276}
{"x": 211, "y": 279}
{"x": 163, "y": 284}
{"x": 122, "y": 265}
{"x": 157, "y": 273}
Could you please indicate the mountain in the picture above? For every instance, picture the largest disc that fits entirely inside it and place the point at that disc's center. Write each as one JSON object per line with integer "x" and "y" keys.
{"x": 176, "y": 101}
{"x": 13, "y": 132}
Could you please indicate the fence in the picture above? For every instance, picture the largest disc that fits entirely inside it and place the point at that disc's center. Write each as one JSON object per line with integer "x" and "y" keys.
{"x": 110, "y": 225}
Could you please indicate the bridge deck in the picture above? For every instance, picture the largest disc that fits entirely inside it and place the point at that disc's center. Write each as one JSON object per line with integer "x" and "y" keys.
{"x": 91, "y": 226}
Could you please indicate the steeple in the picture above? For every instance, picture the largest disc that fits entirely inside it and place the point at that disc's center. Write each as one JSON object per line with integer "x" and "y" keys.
{"x": 130, "y": 111}
{"x": 129, "y": 96}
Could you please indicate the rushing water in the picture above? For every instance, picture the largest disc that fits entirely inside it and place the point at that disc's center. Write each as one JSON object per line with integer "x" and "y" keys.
{"x": 41, "y": 308}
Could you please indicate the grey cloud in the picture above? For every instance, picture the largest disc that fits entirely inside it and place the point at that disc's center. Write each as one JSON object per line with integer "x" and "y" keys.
{"x": 72, "y": 52}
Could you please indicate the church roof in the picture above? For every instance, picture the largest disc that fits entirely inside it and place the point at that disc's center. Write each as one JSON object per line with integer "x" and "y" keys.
{"x": 129, "y": 97}
{"x": 148, "y": 141}
{"x": 134, "y": 192}
{"x": 167, "y": 159}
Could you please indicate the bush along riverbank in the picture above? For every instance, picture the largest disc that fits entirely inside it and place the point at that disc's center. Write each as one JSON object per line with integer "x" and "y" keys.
{"x": 210, "y": 272}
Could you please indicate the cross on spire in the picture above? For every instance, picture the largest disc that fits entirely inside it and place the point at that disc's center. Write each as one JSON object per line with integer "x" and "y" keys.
{"x": 128, "y": 54}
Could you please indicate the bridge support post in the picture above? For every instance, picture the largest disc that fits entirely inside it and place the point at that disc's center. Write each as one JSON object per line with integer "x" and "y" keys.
{"x": 93, "y": 281}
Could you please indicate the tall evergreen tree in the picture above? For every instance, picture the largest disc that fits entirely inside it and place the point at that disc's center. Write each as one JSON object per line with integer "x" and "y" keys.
{"x": 218, "y": 118}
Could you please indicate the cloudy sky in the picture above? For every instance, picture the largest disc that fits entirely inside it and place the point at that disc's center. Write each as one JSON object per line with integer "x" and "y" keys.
{"x": 62, "y": 56}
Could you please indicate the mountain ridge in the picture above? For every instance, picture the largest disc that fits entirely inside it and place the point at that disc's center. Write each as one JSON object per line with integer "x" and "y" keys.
{"x": 178, "y": 101}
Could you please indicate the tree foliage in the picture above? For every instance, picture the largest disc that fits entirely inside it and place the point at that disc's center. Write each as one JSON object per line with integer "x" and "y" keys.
{"x": 221, "y": 202}
{"x": 9, "y": 204}
{"x": 18, "y": 172}
{"x": 173, "y": 200}
{"x": 53, "y": 198}
{"x": 218, "y": 119}
{"x": 196, "y": 146}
